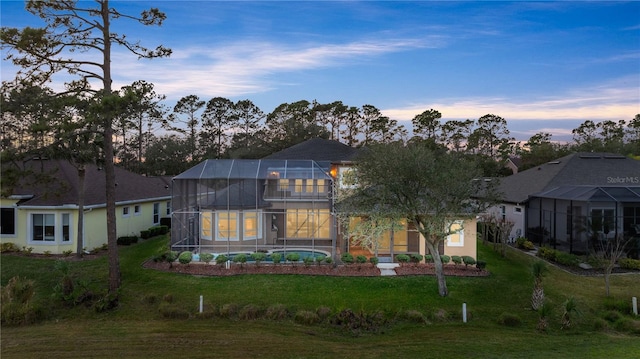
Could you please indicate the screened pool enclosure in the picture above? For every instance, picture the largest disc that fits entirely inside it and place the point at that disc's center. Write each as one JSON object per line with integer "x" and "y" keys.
{"x": 230, "y": 206}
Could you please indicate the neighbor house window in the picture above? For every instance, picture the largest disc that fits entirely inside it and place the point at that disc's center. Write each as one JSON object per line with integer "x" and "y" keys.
{"x": 66, "y": 227}
{"x": 125, "y": 211}
{"x": 456, "y": 238}
{"x": 43, "y": 227}
{"x": 156, "y": 213}
{"x": 168, "y": 208}
{"x": 227, "y": 226}
{"x": 517, "y": 210}
{"x": 8, "y": 219}
{"x": 136, "y": 210}
{"x": 251, "y": 224}
{"x": 602, "y": 221}
{"x": 308, "y": 223}
{"x": 206, "y": 225}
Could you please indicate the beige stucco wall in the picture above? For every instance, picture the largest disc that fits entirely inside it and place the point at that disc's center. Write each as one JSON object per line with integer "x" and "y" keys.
{"x": 470, "y": 242}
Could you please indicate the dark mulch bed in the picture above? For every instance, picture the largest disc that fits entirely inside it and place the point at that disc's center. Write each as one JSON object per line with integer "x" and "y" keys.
{"x": 353, "y": 270}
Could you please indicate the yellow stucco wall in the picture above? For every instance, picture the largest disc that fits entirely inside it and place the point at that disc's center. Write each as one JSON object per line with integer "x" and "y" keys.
{"x": 95, "y": 225}
{"x": 470, "y": 242}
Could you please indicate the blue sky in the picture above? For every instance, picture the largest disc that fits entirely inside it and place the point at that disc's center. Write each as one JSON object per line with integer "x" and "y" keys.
{"x": 543, "y": 66}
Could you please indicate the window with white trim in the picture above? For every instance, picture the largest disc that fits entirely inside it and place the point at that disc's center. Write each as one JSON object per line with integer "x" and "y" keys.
{"x": 50, "y": 228}
{"x": 168, "y": 208}
{"x": 156, "y": 213}
{"x": 456, "y": 238}
{"x": 206, "y": 225}
{"x": 227, "y": 226}
{"x": 308, "y": 223}
{"x": 136, "y": 210}
{"x": 125, "y": 211}
{"x": 252, "y": 224}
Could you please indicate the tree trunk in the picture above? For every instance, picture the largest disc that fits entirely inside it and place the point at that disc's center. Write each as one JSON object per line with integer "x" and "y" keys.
{"x": 442, "y": 282}
{"x": 80, "y": 235}
{"x": 109, "y": 167}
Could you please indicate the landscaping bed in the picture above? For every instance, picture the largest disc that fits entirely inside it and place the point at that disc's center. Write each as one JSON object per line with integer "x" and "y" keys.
{"x": 352, "y": 270}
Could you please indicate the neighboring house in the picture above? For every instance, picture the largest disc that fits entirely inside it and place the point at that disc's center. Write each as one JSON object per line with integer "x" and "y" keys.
{"x": 570, "y": 202}
{"x": 285, "y": 200}
{"x": 42, "y": 211}
{"x": 513, "y": 163}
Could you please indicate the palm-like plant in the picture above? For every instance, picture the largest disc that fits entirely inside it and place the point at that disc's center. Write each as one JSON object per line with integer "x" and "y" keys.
{"x": 539, "y": 269}
{"x": 544, "y": 312}
{"x": 570, "y": 308}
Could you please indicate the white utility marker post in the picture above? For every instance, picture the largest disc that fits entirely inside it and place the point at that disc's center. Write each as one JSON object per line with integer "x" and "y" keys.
{"x": 201, "y": 304}
{"x": 464, "y": 312}
{"x": 634, "y": 303}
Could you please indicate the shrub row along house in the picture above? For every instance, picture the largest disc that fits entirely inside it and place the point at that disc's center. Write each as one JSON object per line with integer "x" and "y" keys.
{"x": 284, "y": 201}
{"x": 41, "y": 212}
{"x": 575, "y": 203}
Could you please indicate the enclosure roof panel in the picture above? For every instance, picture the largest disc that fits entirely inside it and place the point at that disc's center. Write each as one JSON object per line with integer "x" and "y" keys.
{"x": 593, "y": 194}
{"x": 255, "y": 169}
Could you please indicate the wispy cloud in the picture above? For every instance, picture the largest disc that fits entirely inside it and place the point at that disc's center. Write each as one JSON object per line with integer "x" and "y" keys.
{"x": 247, "y": 67}
{"x": 617, "y": 100}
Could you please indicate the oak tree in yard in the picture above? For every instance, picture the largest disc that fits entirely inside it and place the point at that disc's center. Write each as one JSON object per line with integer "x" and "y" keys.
{"x": 431, "y": 189}
{"x": 77, "y": 39}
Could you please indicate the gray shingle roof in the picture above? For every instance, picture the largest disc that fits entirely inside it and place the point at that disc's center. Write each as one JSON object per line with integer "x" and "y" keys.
{"x": 317, "y": 149}
{"x": 60, "y": 186}
{"x": 578, "y": 169}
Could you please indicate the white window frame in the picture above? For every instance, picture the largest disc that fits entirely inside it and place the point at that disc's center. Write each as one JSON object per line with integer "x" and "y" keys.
{"x": 258, "y": 216}
{"x": 137, "y": 210}
{"x": 459, "y": 233}
{"x": 206, "y": 233}
{"x": 517, "y": 210}
{"x": 58, "y": 234}
{"x": 168, "y": 209}
{"x": 156, "y": 213}
{"x": 217, "y": 230}
{"x": 126, "y": 211}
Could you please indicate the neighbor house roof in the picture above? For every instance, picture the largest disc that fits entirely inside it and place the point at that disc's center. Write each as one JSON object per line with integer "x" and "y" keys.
{"x": 55, "y": 183}
{"x": 578, "y": 169}
{"x": 317, "y": 149}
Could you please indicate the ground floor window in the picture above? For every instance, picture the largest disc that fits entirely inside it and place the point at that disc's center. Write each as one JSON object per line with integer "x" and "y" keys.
{"x": 602, "y": 221}
{"x": 227, "y": 226}
{"x": 50, "y": 227}
{"x": 456, "y": 238}
{"x": 206, "y": 225}
{"x": 308, "y": 223}
{"x": 251, "y": 224}
{"x": 8, "y": 219}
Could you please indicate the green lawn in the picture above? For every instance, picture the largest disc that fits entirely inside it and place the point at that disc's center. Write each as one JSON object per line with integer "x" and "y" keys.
{"x": 139, "y": 329}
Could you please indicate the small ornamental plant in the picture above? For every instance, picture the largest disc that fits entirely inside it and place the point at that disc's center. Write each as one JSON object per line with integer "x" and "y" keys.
{"x": 221, "y": 259}
{"x": 328, "y": 260}
{"x": 206, "y": 257}
{"x": 361, "y": 259}
{"x": 468, "y": 261}
{"x": 417, "y": 258}
{"x": 307, "y": 261}
{"x": 240, "y": 258}
{"x": 185, "y": 257}
{"x": 292, "y": 257}
{"x": 445, "y": 259}
{"x": 374, "y": 260}
{"x": 258, "y": 257}
{"x": 347, "y": 258}
{"x": 456, "y": 260}
{"x": 481, "y": 265}
{"x": 320, "y": 259}
{"x": 276, "y": 258}
{"x": 402, "y": 258}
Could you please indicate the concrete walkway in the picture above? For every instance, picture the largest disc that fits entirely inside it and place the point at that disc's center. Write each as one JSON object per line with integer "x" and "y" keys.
{"x": 387, "y": 269}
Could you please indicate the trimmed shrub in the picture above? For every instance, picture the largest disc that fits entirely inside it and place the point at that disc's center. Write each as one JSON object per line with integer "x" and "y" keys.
{"x": 166, "y": 221}
{"x": 441, "y": 315}
{"x": 258, "y": 257}
{"x": 240, "y": 258}
{"x": 402, "y": 258}
{"x": 307, "y": 260}
{"x": 445, "y": 259}
{"x": 185, "y": 257}
{"x": 346, "y": 258}
{"x": 292, "y": 257}
{"x": 456, "y": 260}
{"x": 171, "y": 311}
{"x": 323, "y": 312}
{"x": 127, "y": 240}
{"x": 627, "y": 325}
{"x": 567, "y": 259}
{"x": 509, "y": 320}
{"x": 468, "y": 261}
{"x": 629, "y": 263}
{"x": 320, "y": 259}
{"x": 221, "y": 259}
{"x": 417, "y": 258}
{"x": 361, "y": 259}
{"x": 547, "y": 253}
{"x": 145, "y": 234}
{"x": 206, "y": 257}
{"x": 481, "y": 265}
{"x": 328, "y": 260}
{"x": 276, "y": 258}
{"x": 374, "y": 260}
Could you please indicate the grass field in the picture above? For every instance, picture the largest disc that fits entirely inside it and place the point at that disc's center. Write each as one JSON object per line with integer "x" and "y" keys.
{"x": 147, "y": 323}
